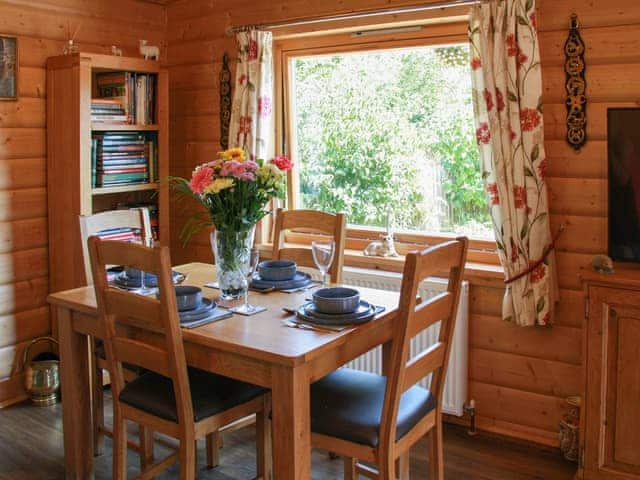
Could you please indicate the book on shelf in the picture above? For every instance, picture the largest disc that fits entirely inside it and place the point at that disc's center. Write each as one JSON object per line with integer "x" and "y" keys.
{"x": 123, "y": 158}
{"x": 124, "y": 98}
{"x": 123, "y": 234}
{"x": 153, "y": 215}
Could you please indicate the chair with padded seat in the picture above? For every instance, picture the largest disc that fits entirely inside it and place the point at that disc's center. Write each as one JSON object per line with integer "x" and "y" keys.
{"x": 376, "y": 419}
{"x": 181, "y": 402}
{"x": 139, "y": 220}
{"x": 310, "y": 221}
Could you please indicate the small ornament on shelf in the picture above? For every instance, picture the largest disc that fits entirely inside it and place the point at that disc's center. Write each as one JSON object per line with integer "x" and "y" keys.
{"x": 71, "y": 47}
{"x": 149, "y": 52}
{"x": 385, "y": 247}
{"x": 116, "y": 51}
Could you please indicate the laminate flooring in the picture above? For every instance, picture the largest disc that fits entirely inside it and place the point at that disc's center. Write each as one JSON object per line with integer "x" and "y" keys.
{"x": 31, "y": 448}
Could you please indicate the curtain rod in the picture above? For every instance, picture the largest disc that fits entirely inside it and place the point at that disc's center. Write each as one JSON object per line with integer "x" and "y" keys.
{"x": 354, "y": 16}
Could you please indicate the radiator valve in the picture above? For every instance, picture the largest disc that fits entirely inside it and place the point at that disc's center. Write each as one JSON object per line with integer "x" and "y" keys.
{"x": 470, "y": 408}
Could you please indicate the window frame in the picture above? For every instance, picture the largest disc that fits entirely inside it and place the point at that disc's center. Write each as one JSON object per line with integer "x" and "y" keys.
{"x": 300, "y": 43}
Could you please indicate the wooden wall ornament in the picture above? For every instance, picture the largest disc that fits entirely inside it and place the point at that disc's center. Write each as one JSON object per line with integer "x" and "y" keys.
{"x": 576, "y": 87}
{"x": 225, "y": 102}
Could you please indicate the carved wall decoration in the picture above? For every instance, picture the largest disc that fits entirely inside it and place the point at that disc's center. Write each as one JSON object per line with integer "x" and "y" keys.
{"x": 225, "y": 102}
{"x": 576, "y": 87}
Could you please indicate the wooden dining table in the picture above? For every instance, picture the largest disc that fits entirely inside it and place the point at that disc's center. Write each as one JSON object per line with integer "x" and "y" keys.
{"x": 259, "y": 349}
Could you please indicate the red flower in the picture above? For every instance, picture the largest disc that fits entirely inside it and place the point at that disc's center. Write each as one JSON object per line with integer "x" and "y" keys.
{"x": 512, "y": 134}
{"x": 512, "y": 51}
{"x": 242, "y": 79}
{"x": 533, "y": 20}
{"x": 499, "y": 100}
{"x": 476, "y": 63}
{"x": 483, "y": 135}
{"x": 264, "y": 106}
{"x": 494, "y": 196}
{"x": 546, "y": 319}
{"x": 283, "y": 163}
{"x": 522, "y": 58}
{"x": 537, "y": 273}
{"x": 488, "y": 99}
{"x": 542, "y": 169}
{"x": 514, "y": 251}
{"x": 253, "y": 50}
{"x": 520, "y": 196}
{"x": 245, "y": 127}
{"x": 529, "y": 119}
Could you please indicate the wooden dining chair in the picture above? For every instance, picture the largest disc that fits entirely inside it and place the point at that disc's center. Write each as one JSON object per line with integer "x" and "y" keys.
{"x": 138, "y": 219}
{"x": 181, "y": 402}
{"x": 333, "y": 226}
{"x": 376, "y": 419}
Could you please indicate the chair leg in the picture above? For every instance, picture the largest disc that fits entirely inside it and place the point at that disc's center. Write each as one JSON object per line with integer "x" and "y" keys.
{"x": 263, "y": 444}
{"x": 187, "y": 459}
{"x": 146, "y": 447}
{"x": 350, "y": 472}
{"x": 404, "y": 466}
{"x": 436, "y": 457}
{"x": 213, "y": 449}
{"x": 119, "y": 446}
{"x": 98, "y": 412}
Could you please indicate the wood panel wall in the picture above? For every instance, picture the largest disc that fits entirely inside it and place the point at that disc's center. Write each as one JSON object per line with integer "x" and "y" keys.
{"x": 518, "y": 377}
{"x": 41, "y": 27}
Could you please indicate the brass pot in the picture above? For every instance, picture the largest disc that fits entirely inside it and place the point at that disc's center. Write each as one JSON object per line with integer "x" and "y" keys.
{"x": 41, "y": 377}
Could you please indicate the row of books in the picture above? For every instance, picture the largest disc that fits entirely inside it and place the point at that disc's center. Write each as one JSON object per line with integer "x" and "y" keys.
{"x": 135, "y": 92}
{"x": 108, "y": 110}
{"x": 123, "y": 158}
{"x": 127, "y": 234}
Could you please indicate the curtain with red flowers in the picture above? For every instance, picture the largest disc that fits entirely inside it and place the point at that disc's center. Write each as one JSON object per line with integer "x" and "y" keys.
{"x": 507, "y": 90}
{"x": 251, "y": 125}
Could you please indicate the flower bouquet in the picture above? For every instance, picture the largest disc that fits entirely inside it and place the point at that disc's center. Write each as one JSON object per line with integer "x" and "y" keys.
{"x": 234, "y": 191}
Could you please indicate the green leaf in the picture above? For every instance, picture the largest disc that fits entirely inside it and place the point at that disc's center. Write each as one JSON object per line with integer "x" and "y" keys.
{"x": 540, "y": 305}
{"x": 508, "y": 319}
{"x": 511, "y": 96}
{"x": 528, "y": 5}
{"x": 528, "y": 172}
{"x": 524, "y": 231}
{"x": 500, "y": 246}
{"x": 522, "y": 20}
{"x": 535, "y": 153}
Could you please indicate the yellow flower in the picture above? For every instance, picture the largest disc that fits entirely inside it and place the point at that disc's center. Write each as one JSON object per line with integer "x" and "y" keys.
{"x": 269, "y": 172}
{"x": 237, "y": 154}
{"x": 218, "y": 184}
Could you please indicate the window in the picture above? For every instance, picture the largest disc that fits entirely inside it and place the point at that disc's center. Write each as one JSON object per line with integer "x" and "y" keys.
{"x": 387, "y": 134}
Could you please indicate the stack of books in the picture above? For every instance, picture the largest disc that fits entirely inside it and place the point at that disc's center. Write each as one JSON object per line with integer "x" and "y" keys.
{"x": 122, "y": 158}
{"x": 109, "y": 110}
{"x": 134, "y": 91}
{"x": 123, "y": 234}
{"x": 153, "y": 215}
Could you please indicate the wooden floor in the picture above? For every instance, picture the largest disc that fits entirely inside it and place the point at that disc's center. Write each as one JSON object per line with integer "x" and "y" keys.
{"x": 31, "y": 449}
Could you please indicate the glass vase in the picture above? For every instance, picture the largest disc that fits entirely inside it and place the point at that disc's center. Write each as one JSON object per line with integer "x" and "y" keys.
{"x": 232, "y": 251}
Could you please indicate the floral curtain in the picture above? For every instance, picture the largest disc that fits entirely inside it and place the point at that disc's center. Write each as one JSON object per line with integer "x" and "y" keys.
{"x": 507, "y": 90}
{"x": 251, "y": 125}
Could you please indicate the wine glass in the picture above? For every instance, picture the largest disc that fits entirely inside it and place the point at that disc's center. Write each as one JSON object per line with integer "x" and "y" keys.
{"x": 249, "y": 269}
{"x": 323, "y": 252}
{"x": 143, "y": 289}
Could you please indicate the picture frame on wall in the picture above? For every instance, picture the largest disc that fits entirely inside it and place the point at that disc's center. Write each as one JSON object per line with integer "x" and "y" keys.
{"x": 9, "y": 66}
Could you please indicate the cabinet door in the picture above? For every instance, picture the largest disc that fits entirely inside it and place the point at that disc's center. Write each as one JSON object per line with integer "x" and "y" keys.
{"x": 612, "y": 446}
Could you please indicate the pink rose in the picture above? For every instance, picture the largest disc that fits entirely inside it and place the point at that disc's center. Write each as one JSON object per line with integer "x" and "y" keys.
{"x": 529, "y": 119}
{"x": 494, "y": 196}
{"x": 201, "y": 179}
{"x": 476, "y": 63}
{"x": 483, "y": 135}
{"x": 283, "y": 163}
{"x": 488, "y": 99}
{"x": 253, "y": 50}
{"x": 520, "y": 196}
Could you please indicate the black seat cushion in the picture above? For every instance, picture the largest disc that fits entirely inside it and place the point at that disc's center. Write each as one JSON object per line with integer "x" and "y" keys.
{"x": 347, "y": 404}
{"x": 210, "y": 394}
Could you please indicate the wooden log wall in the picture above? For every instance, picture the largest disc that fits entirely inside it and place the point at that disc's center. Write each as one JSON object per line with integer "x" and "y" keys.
{"x": 41, "y": 28}
{"x": 518, "y": 377}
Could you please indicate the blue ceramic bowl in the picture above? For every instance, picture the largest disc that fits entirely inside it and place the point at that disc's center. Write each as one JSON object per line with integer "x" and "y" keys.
{"x": 277, "y": 270}
{"x": 188, "y": 297}
{"x": 336, "y": 300}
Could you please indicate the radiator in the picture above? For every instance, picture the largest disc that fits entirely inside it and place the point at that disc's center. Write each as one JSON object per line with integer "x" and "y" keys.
{"x": 455, "y": 387}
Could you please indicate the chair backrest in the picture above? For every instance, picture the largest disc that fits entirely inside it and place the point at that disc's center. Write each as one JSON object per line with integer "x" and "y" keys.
{"x": 312, "y": 221}
{"x": 126, "y": 315}
{"x": 448, "y": 259}
{"x": 137, "y": 218}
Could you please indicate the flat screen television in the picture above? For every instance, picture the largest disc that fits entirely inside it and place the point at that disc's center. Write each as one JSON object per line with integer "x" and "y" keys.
{"x": 623, "y": 128}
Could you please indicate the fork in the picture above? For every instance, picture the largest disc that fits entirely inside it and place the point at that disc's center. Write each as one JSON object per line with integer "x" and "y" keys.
{"x": 306, "y": 326}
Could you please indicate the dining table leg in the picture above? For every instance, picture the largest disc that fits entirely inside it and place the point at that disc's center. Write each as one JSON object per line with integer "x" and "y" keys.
{"x": 291, "y": 424}
{"x": 76, "y": 399}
